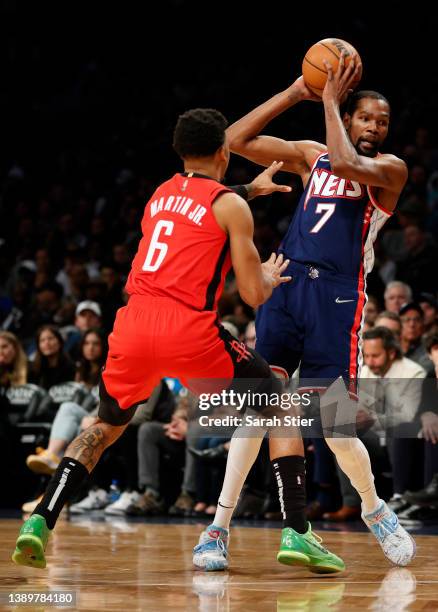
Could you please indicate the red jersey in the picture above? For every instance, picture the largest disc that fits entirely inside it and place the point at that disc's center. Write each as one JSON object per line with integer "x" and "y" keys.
{"x": 184, "y": 254}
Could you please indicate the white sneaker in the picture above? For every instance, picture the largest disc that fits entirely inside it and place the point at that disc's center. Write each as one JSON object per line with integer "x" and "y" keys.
{"x": 95, "y": 500}
{"x": 397, "y": 544}
{"x": 120, "y": 506}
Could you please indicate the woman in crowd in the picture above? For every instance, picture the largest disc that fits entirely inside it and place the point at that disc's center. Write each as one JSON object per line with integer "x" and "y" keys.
{"x": 51, "y": 365}
{"x": 71, "y": 418}
{"x": 13, "y": 362}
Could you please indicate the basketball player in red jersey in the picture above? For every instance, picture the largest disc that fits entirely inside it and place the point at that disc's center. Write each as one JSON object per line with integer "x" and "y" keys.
{"x": 193, "y": 229}
{"x": 314, "y": 322}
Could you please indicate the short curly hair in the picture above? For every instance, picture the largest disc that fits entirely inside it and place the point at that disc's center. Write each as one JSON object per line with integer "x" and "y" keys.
{"x": 199, "y": 132}
{"x": 353, "y": 100}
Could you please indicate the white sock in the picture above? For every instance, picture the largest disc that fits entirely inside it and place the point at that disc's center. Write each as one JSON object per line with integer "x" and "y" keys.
{"x": 338, "y": 415}
{"x": 241, "y": 456}
{"x": 354, "y": 461}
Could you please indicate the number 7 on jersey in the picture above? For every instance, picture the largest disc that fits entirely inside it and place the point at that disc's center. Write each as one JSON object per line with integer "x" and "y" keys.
{"x": 329, "y": 210}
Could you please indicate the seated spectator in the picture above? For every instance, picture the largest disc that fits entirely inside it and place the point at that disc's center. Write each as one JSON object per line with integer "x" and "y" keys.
{"x": 93, "y": 351}
{"x": 397, "y": 294}
{"x": 13, "y": 373}
{"x": 51, "y": 364}
{"x": 48, "y": 301}
{"x": 429, "y": 306}
{"x": 88, "y": 315}
{"x": 71, "y": 417}
{"x": 412, "y": 318}
{"x": 183, "y": 505}
{"x": 391, "y": 321}
{"x": 113, "y": 294}
{"x": 384, "y": 410}
{"x": 418, "y": 269}
{"x": 371, "y": 311}
{"x": 13, "y": 361}
{"x": 154, "y": 439}
{"x": 422, "y": 505}
{"x": 210, "y": 461}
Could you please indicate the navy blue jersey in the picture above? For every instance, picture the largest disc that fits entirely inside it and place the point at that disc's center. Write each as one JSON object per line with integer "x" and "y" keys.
{"x": 335, "y": 224}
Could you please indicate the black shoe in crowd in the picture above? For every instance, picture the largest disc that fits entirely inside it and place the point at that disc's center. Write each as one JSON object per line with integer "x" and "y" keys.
{"x": 398, "y": 503}
{"x": 210, "y": 454}
{"x": 427, "y": 496}
{"x": 418, "y": 516}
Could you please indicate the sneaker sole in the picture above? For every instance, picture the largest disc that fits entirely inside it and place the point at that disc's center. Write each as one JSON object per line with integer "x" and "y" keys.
{"x": 29, "y": 551}
{"x": 212, "y": 566}
{"x": 297, "y": 558}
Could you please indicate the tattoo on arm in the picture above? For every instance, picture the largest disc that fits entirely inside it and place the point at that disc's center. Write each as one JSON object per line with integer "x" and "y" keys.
{"x": 88, "y": 447}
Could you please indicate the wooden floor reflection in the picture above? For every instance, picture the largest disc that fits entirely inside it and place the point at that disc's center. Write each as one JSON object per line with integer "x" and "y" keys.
{"x": 116, "y": 565}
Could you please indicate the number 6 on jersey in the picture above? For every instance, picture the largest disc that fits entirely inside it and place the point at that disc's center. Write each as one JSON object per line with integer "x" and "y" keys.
{"x": 155, "y": 246}
{"x": 329, "y": 210}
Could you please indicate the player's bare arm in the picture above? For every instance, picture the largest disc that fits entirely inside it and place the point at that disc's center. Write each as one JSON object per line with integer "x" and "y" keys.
{"x": 386, "y": 172}
{"x": 255, "y": 281}
{"x": 244, "y": 135}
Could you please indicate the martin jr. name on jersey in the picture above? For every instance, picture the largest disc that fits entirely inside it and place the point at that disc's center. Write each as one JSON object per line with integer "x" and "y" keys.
{"x": 335, "y": 224}
{"x": 180, "y": 205}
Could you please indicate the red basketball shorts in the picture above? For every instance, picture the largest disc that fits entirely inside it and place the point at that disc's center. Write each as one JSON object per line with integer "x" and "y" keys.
{"x": 155, "y": 337}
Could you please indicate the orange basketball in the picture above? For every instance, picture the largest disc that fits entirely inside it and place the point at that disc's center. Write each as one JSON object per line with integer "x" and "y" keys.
{"x": 330, "y": 49}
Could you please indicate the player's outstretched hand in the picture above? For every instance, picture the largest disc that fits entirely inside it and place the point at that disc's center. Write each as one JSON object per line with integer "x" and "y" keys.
{"x": 274, "y": 268}
{"x": 263, "y": 183}
{"x": 339, "y": 83}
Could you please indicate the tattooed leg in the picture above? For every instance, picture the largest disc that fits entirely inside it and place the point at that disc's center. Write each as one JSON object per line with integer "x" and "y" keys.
{"x": 88, "y": 447}
{"x": 79, "y": 459}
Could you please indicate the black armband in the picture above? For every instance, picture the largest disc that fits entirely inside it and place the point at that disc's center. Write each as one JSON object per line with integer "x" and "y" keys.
{"x": 241, "y": 190}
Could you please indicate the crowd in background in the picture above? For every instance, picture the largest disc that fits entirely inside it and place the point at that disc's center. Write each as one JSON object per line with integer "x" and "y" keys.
{"x": 75, "y": 177}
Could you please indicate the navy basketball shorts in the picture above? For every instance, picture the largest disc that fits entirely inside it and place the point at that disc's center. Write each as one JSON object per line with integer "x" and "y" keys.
{"x": 314, "y": 322}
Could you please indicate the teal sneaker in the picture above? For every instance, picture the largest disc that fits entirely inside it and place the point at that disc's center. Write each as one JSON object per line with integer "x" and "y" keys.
{"x": 31, "y": 543}
{"x": 305, "y": 549}
{"x": 212, "y": 551}
{"x": 398, "y": 546}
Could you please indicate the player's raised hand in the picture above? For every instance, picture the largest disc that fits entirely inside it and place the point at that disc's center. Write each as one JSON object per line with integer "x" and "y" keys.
{"x": 339, "y": 83}
{"x": 274, "y": 268}
{"x": 263, "y": 183}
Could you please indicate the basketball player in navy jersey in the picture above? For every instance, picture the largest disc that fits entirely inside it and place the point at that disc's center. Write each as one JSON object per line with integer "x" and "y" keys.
{"x": 350, "y": 190}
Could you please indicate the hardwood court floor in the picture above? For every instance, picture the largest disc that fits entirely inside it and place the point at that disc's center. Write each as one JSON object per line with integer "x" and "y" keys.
{"x": 117, "y": 565}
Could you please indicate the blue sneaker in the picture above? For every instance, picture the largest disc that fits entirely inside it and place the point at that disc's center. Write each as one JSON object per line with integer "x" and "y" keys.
{"x": 212, "y": 551}
{"x": 398, "y": 546}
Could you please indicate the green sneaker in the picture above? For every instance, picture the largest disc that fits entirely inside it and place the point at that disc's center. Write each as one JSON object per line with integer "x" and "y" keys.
{"x": 32, "y": 542}
{"x": 305, "y": 549}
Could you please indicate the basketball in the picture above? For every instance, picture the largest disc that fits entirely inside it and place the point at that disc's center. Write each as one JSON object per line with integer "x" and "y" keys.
{"x": 330, "y": 49}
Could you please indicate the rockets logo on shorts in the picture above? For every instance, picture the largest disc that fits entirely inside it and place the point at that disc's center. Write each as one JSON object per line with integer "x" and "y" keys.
{"x": 241, "y": 350}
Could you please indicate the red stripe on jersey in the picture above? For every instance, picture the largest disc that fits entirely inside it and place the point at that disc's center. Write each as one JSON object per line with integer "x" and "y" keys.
{"x": 357, "y": 324}
{"x": 384, "y": 210}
